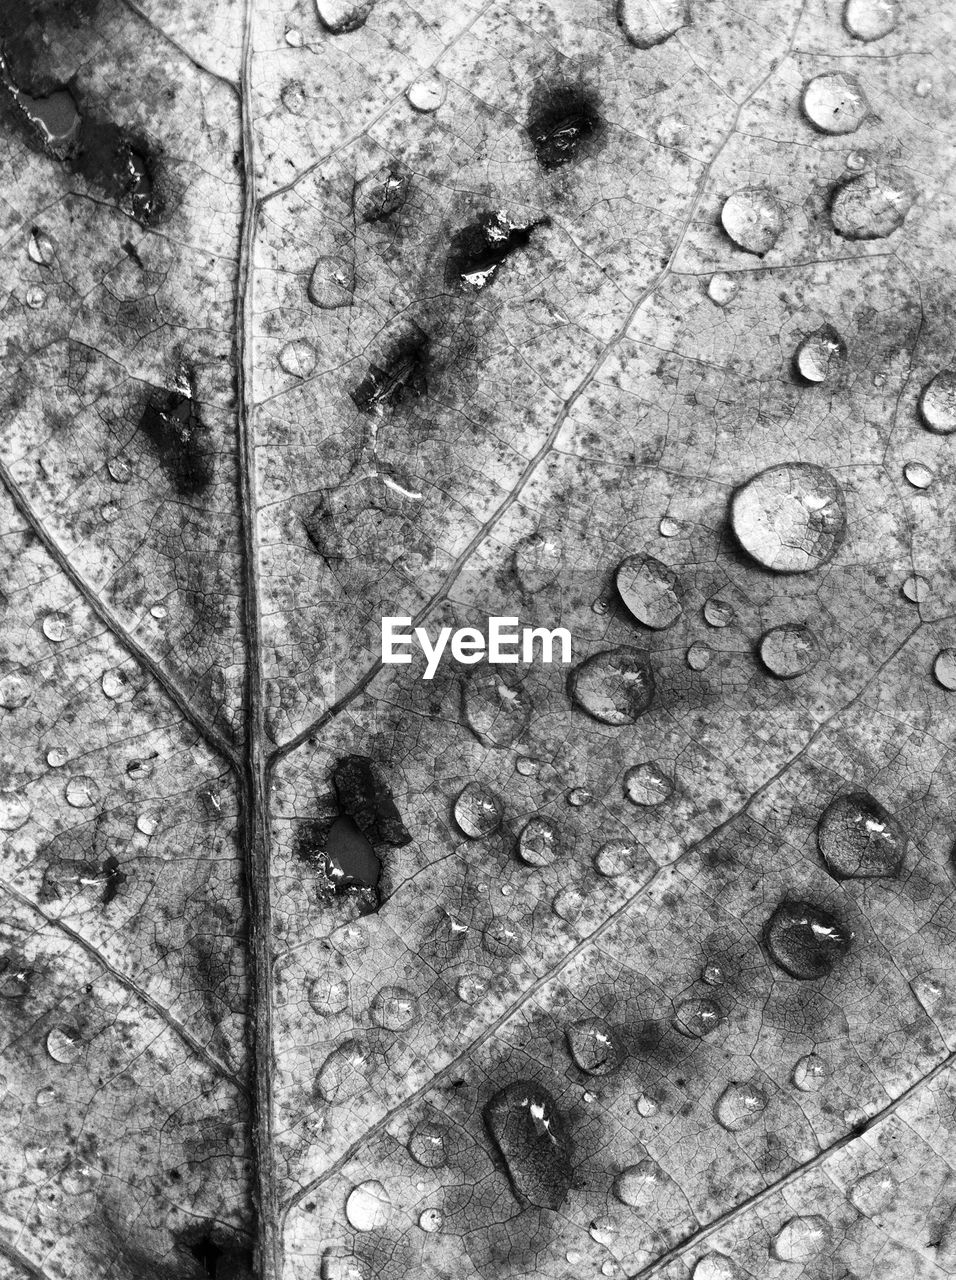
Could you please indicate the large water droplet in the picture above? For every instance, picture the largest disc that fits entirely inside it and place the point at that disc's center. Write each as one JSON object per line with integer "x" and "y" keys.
{"x": 648, "y": 784}
{"x": 478, "y": 811}
{"x": 870, "y": 19}
{"x": 722, "y": 288}
{"x": 298, "y": 358}
{"x": 805, "y": 940}
{"x": 369, "y": 1206}
{"x": 593, "y": 1047}
{"x": 817, "y": 354}
{"x": 918, "y": 474}
{"x": 64, "y": 1044}
{"x": 81, "y": 792}
{"x": 697, "y": 1018}
{"x": 427, "y": 93}
{"x": 937, "y": 403}
{"x": 874, "y": 1192}
{"x": 639, "y": 1183}
{"x": 342, "y": 16}
{"x": 835, "y": 102}
{"x": 647, "y": 23}
{"x": 789, "y": 650}
{"x": 394, "y": 1008}
{"x": 810, "y": 1073}
{"x": 873, "y": 204}
{"x": 615, "y": 686}
{"x": 859, "y": 839}
{"x": 802, "y": 1238}
{"x": 944, "y": 668}
{"x": 715, "y": 1266}
{"x": 40, "y": 248}
{"x": 15, "y": 687}
{"x": 753, "y": 218}
{"x": 344, "y": 1074}
{"x": 739, "y": 1106}
{"x": 329, "y": 995}
{"x": 529, "y": 1131}
{"x": 791, "y": 517}
{"x": 538, "y": 843}
{"x": 650, "y": 590}
{"x": 495, "y": 708}
{"x": 332, "y": 282}
{"x": 427, "y": 1145}
{"x": 538, "y": 561}
{"x": 15, "y": 810}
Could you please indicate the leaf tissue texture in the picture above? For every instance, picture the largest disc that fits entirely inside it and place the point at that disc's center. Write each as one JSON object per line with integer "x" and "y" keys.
{"x": 631, "y": 318}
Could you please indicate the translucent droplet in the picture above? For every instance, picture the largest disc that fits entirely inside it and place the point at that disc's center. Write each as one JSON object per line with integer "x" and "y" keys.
{"x": 15, "y": 688}
{"x": 713, "y": 974}
{"x": 478, "y": 811}
{"x": 119, "y": 470}
{"x": 835, "y": 102}
{"x": 610, "y": 1267}
{"x": 538, "y": 561}
{"x": 344, "y": 1074}
{"x": 722, "y": 288}
{"x": 394, "y": 1008}
{"x": 699, "y": 657}
{"x": 139, "y": 769}
{"x": 715, "y": 1266}
{"x": 332, "y": 282}
{"x": 650, "y": 590}
{"x": 15, "y": 810}
{"x": 615, "y": 686}
{"x": 917, "y": 589}
{"x": 791, "y": 517}
{"x": 874, "y": 1193}
{"x": 873, "y": 204}
{"x": 859, "y": 839}
{"x": 147, "y": 824}
{"x": 529, "y": 1132}
{"x": 924, "y": 87}
{"x": 115, "y": 684}
{"x": 298, "y": 358}
{"x": 919, "y": 475}
{"x": 805, "y": 940}
{"x": 57, "y": 757}
{"x": 574, "y": 1257}
{"x": 648, "y": 784}
{"x": 802, "y": 1238}
{"x": 930, "y": 990}
{"x": 329, "y": 994}
{"x": 937, "y": 403}
{"x": 818, "y": 353}
{"x": 40, "y": 248}
{"x": 669, "y": 527}
{"x": 527, "y": 766}
{"x": 430, "y": 1220}
{"x": 600, "y": 607}
{"x": 159, "y": 612}
{"x": 944, "y": 668}
{"x": 753, "y": 218}
{"x": 647, "y": 23}
{"x": 789, "y": 650}
{"x": 619, "y": 858}
{"x": 81, "y": 792}
{"x": 810, "y": 1073}
{"x": 428, "y": 93}
{"x": 369, "y": 1206}
{"x": 638, "y": 1183}
{"x": 603, "y": 1231}
{"x": 471, "y": 988}
{"x": 45, "y": 1098}
{"x": 427, "y": 1145}
{"x": 63, "y": 1044}
{"x": 35, "y": 297}
{"x": 568, "y": 904}
{"x": 697, "y": 1018}
{"x": 495, "y": 707}
{"x": 79, "y": 1178}
{"x": 580, "y": 797}
{"x": 539, "y": 842}
{"x": 718, "y": 613}
{"x": 293, "y": 38}
{"x": 739, "y": 1106}
{"x": 870, "y": 19}
{"x": 593, "y": 1047}
{"x": 647, "y": 1106}
{"x": 857, "y": 160}
{"x": 56, "y": 626}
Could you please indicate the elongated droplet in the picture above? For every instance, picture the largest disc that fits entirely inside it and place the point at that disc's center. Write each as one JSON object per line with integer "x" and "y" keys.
{"x": 918, "y": 474}
{"x": 859, "y": 839}
{"x": 529, "y": 1131}
{"x": 615, "y": 686}
{"x": 944, "y": 668}
{"x": 369, "y": 1206}
{"x": 805, "y": 940}
{"x": 40, "y": 248}
{"x": 791, "y": 518}
{"x": 835, "y": 102}
{"x": 753, "y": 218}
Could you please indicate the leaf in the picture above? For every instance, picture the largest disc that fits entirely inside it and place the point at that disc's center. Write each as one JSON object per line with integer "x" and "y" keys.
{"x": 320, "y": 315}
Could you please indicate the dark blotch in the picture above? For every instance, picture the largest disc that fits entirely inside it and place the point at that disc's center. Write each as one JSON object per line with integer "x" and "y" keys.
{"x": 402, "y": 374}
{"x": 366, "y": 798}
{"x": 805, "y": 940}
{"x": 560, "y": 126}
{"x": 530, "y": 1132}
{"x": 478, "y": 250}
{"x": 221, "y": 1260}
{"x": 350, "y": 861}
{"x": 380, "y": 196}
{"x": 173, "y": 424}
{"x": 114, "y": 878}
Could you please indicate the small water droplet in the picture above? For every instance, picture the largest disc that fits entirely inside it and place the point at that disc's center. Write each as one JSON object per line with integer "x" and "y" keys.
{"x": 713, "y": 974}
{"x": 835, "y": 102}
{"x": 56, "y": 627}
{"x": 873, "y": 204}
{"x": 857, "y": 160}
{"x": 298, "y": 358}
{"x": 63, "y": 1044}
{"x": 147, "y": 824}
{"x": 478, "y": 811}
{"x": 81, "y": 792}
{"x": 802, "y": 1238}
{"x": 619, "y": 858}
{"x": 529, "y": 1132}
{"x": 722, "y": 288}
{"x": 615, "y": 686}
{"x": 332, "y": 282}
{"x": 919, "y": 475}
{"x": 790, "y": 518}
{"x": 293, "y": 38}
{"x": 574, "y": 1257}
{"x": 15, "y": 810}
{"x": 715, "y": 1266}
{"x": 647, "y": 1106}
{"x": 369, "y": 1206}
{"x": 600, "y": 607}
{"x": 568, "y": 904}
{"x": 394, "y": 1008}
{"x": 753, "y": 218}
{"x": 930, "y": 990}
{"x": 699, "y": 657}
{"x": 647, "y": 784}
{"x": 35, "y": 297}
{"x": 924, "y": 87}
{"x": 593, "y": 1047}
{"x": 430, "y": 1220}
{"x": 116, "y": 684}
{"x": 139, "y": 769}
{"x": 329, "y": 994}
{"x": 870, "y": 19}
{"x": 344, "y": 1073}
{"x": 718, "y": 613}
{"x": 789, "y": 650}
{"x": 739, "y": 1106}
{"x": 650, "y": 591}
{"x": 159, "y": 612}
{"x": 810, "y": 1073}
{"x": 15, "y": 688}
{"x": 40, "y": 248}
{"x": 119, "y": 470}
{"x": 609, "y": 1267}
{"x": 427, "y": 1145}
{"x": 859, "y": 839}
{"x": 669, "y": 527}
{"x": 57, "y": 757}
{"x": 495, "y": 707}
{"x": 580, "y": 797}
{"x": 944, "y": 668}
{"x": 937, "y": 403}
{"x": 697, "y": 1018}
{"x": 45, "y": 1098}
{"x": 527, "y": 766}
{"x": 340, "y": 17}
{"x": 471, "y": 988}
{"x": 805, "y": 940}
{"x": 538, "y": 843}
{"x": 917, "y": 589}
{"x": 818, "y": 354}
{"x": 874, "y": 1193}
{"x": 603, "y": 1231}
{"x": 427, "y": 94}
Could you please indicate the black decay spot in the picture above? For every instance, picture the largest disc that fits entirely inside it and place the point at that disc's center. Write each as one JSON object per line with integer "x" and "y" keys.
{"x": 403, "y": 372}
{"x": 350, "y": 860}
{"x": 560, "y": 125}
{"x": 114, "y": 879}
{"x": 173, "y": 424}
{"x": 478, "y": 250}
{"x": 221, "y": 1260}
{"x": 367, "y": 799}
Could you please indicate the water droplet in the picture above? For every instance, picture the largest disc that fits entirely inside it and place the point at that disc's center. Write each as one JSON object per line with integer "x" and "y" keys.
{"x": 427, "y": 94}
{"x": 859, "y": 839}
{"x": 944, "y": 668}
{"x": 147, "y": 824}
{"x": 615, "y": 686}
{"x": 63, "y": 1044}
{"x": 15, "y": 810}
{"x": 15, "y": 688}
{"x": 715, "y": 1266}
{"x": 810, "y": 1073}
{"x": 538, "y": 561}
{"x": 699, "y": 657}
{"x": 478, "y": 811}
{"x": 697, "y": 1018}
{"x": 55, "y": 626}
{"x": 394, "y": 1008}
{"x": 344, "y": 1074}
{"x": 329, "y": 994}
{"x": 79, "y": 1179}
{"x": 873, "y": 204}
{"x": 818, "y": 353}
{"x": 874, "y": 1193}
{"x": 718, "y": 613}
{"x": 538, "y": 843}
{"x": 835, "y": 102}
{"x": 648, "y": 784}
{"x": 924, "y": 87}
{"x": 917, "y": 589}
{"x": 650, "y": 590}
{"x": 119, "y": 470}
{"x": 471, "y": 988}
{"x": 790, "y": 518}
{"x": 647, "y": 1106}
{"x": 789, "y": 650}
{"x": 870, "y": 19}
{"x": 139, "y": 769}
{"x": 293, "y": 38}
{"x": 713, "y": 974}
{"x": 669, "y": 527}
{"x": 857, "y": 160}
{"x": 45, "y": 1098}
{"x": 610, "y": 1267}
{"x": 496, "y": 708}
{"x": 35, "y": 297}
{"x": 427, "y": 1145}
{"x": 805, "y": 940}
{"x": 40, "y": 248}
{"x": 574, "y": 1257}
{"x": 81, "y": 792}
{"x": 369, "y": 1206}
{"x": 802, "y": 1238}
{"x": 638, "y": 1183}
{"x": 722, "y": 288}
{"x": 568, "y": 904}
{"x": 618, "y": 858}
{"x": 342, "y": 16}
{"x": 937, "y": 403}
{"x": 919, "y": 475}
{"x": 337, "y": 1264}
{"x": 529, "y": 1131}
{"x": 600, "y": 607}
{"x": 332, "y": 282}
{"x": 527, "y": 766}
{"x": 298, "y": 358}
{"x": 930, "y": 990}
{"x": 739, "y": 1106}
{"x": 603, "y": 1231}
{"x": 57, "y": 757}
{"x": 116, "y": 684}
{"x": 592, "y": 1045}
{"x": 753, "y": 218}
{"x": 647, "y": 23}
{"x": 159, "y": 612}
{"x": 502, "y": 938}
{"x": 430, "y": 1220}
{"x": 580, "y": 797}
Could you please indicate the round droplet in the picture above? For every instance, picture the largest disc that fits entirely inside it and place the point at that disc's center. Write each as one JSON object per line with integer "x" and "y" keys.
{"x": 919, "y": 475}
{"x": 790, "y": 518}
{"x": 15, "y": 687}
{"x": 615, "y": 686}
{"x": 874, "y": 1193}
{"x": 857, "y": 160}
{"x": 944, "y": 668}
{"x": 739, "y": 1106}
{"x": 56, "y": 626}
{"x": 119, "y": 470}
{"x": 870, "y": 19}
{"x": 699, "y": 657}
{"x": 873, "y": 204}
{"x": 789, "y": 650}
{"x": 669, "y": 527}
{"x": 648, "y": 784}
{"x": 715, "y": 1266}
{"x": 819, "y": 353}
{"x": 40, "y": 248}
{"x": 298, "y": 358}
{"x": 810, "y": 1073}
{"x": 427, "y": 1145}
{"x": 573, "y": 1257}
{"x": 15, "y": 810}
{"x": 647, "y": 23}
{"x": 116, "y": 684}
{"x": 580, "y": 797}
{"x": 538, "y": 561}
{"x": 600, "y": 607}
{"x": 859, "y": 839}
{"x": 937, "y": 403}
{"x": 147, "y": 824}
{"x": 697, "y": 1018}
{"x": 369, "y": 1206}
{"x": 713, "y": 974}
{"x": 332, "y": 282}
{"x": 647, "y": 1106}
{"x": 916, "y": 588}
{"x": 495, "y": 707}
{"x": 478, "y": 811}
{"x": 427, "y": 94}
{"x": 568, "y": 904}
{"x": 63, "y": 1044}
{"x": 650, "y": 590}
{"x": 603, "y": 1231}
{"x": 394, "y": 1008}
{"x": 805, "y": 940}
{"x": 329, "y": 995}
{"x": 835, "y": 102}
{"x": 718, "y": 613}
{"x": 159, "y": 612}
{"x": 722, "y": 288}
{"x": 344, "y": 1073}
{"x": 79, "y": 1178}
{"x": 753, "y": 218}
{"x": 57, "y": 757}
{"x": 502, "y": 938}
{"x": 471, "y": 988}
{"x": 924, "y": 87}
{"x": 430, "y": 1220}
{"x": 35, "y": 297}
{"x": 619, "y": 858}
{"x": 527, "y": 766}
{"x": 593, "y": 1047}
{"x": 638, "y": 1183}
{"x": 538, "y": 843}
{"x": 802, "y": 1238}
{"x": 81, "y": 792}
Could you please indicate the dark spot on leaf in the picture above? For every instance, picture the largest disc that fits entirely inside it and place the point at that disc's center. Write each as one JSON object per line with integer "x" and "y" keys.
{"x": 366, "y": 798}
{"x": 173, "y": 424}
{"x": 478, "y": 250}
{"x": 380, "y": 196}
{"x": 404, "y": 372}
{"x": 221, "y": 1260}
{"x": 560, "y": 125}
{"x": 115, "y": 879}
{"x": 350, "y": 860}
